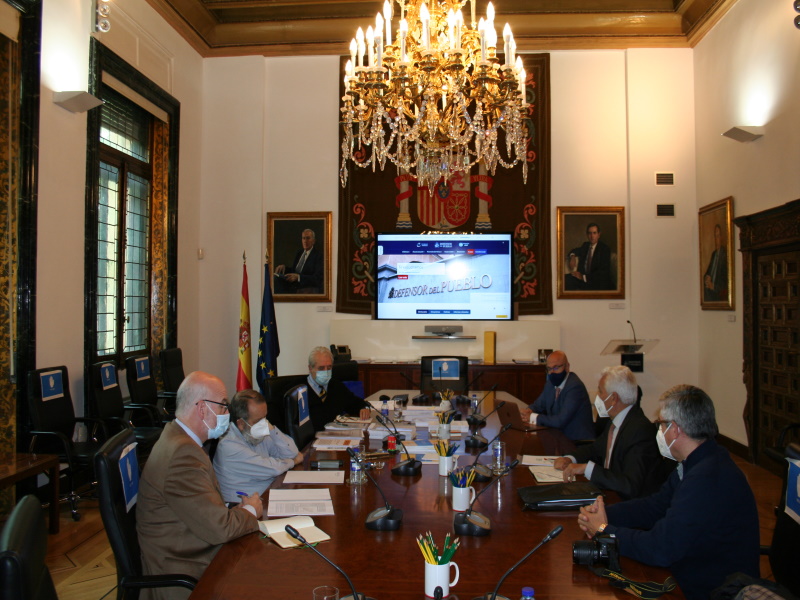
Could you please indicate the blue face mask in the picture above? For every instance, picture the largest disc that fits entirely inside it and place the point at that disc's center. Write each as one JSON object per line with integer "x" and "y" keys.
{"x": 557, "y": 378}
{"x": 323, "y": 378}
{"x": 221, "y": 426}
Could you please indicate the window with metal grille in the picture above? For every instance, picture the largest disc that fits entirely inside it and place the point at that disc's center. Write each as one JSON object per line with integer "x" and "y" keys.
{"x": 123, "y": 229}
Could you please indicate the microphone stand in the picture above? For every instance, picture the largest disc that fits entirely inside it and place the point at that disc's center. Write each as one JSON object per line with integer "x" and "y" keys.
{"x": 474, "y": 523}
{"x": 386, "y": 518}
{"x": 296, "y": 535}
{"x": 476, "y": 418}
{"x": 476, "y": 440}
{"x": 482, "y": 472}
{"x": 409, "y": 466}
{"x": 493, "y": 595}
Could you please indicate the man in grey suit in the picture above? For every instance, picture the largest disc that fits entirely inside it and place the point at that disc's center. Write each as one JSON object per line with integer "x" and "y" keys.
{"x": 630, "y": 463}
{"x": 181, "y": 517}
{"x": 564, "y": 403}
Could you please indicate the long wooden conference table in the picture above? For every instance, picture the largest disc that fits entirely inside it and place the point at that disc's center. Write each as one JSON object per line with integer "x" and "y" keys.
{"x": 388, "y": 565}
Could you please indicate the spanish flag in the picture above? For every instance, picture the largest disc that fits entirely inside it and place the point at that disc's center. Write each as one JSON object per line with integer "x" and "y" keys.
{"x": 244, "y": 377}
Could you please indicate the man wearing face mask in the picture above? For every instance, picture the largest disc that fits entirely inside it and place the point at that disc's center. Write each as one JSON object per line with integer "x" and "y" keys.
{"x": 253, "y": 453}
{"x": 329, "y": 398}
{"x": 181, "y": 518}
{"x": 564, "y": 403}
{"x": 629, "y": 462}
{"x": 703, "y": 523}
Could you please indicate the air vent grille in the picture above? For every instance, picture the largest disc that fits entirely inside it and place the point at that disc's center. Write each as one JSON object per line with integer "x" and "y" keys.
{"x": 665, "y": 178}
{"x": 665, "y": 210}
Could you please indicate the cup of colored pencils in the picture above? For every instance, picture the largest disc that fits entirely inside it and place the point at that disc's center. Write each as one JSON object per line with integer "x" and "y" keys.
{"x": 438, "y": 564}
{"x": 447, "y": 458}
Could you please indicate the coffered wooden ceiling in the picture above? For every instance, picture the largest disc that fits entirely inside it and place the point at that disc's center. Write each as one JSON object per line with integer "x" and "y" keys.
{"x": 296, "y": 27}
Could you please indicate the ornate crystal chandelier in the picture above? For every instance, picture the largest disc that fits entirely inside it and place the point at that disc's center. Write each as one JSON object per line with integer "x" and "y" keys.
{"x": 434, "y": 98}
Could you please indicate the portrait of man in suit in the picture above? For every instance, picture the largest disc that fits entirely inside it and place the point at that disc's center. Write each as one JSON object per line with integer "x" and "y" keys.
{"x": 715, "y": 228}
{"x": 590, "y": 264}
{"x": 715, "y": 280}
{"x": 300, "y": 269}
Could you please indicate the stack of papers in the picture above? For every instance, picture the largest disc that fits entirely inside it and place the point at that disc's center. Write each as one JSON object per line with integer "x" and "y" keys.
{"x": 321, "y": 477}
{"x": 377, "y": 431}
{"x": 335, "y": 444}
{"x": 275, "y": 529}
{"x": 304, "y": 501}
{"x": 542, "y": 469}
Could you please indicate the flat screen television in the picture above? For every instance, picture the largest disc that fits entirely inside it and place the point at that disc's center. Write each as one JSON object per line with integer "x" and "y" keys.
{"x": 444, "y": 276}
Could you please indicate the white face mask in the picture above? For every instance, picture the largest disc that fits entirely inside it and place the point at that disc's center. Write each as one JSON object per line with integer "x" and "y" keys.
{"x": 600, "y": 405}
{"x": 258, "y": 431}
{"x": 663, "y": 447}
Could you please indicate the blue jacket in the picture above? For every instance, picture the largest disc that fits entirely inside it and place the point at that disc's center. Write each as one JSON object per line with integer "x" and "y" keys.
{"x": 702, "y": 527}
{"x": 571, "y": 413}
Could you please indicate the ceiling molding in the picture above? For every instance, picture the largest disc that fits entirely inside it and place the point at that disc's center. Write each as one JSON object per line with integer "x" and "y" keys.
{"x": 284, "y": 28}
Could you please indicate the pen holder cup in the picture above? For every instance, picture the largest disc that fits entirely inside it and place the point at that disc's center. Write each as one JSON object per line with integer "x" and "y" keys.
{"x": 447, "y": 464}
{"x": 463, "y": 497}
{"x": 439, "y": 576}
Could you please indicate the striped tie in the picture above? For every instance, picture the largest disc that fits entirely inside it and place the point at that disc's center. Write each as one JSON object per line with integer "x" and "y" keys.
{"x": 323, "y": 394}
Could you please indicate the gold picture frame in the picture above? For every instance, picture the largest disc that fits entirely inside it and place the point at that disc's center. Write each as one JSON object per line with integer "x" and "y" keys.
{"x": 715, "y": 232}
{"x": 287, "y": 241}
{"x": 599, "y": 231}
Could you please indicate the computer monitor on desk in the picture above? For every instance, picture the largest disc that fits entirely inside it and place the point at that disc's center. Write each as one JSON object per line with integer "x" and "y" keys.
{"x": 444, "y": 372}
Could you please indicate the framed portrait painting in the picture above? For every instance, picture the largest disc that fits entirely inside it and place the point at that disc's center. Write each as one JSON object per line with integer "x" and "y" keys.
{"x": 715, "y": 230}
{"x": 591, "y": 252}
{"x": 299, "y": 246}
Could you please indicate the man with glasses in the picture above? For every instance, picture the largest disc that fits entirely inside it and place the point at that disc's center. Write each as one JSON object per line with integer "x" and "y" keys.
{"x": 253, "y": 452}
{"x": 564, "y": 403}
{"x": 625, "y": 458}
{"x": 181, "y": 517}
{"x": 703, "y": 523}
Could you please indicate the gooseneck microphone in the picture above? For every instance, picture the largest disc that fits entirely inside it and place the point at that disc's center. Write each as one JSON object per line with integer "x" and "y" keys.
{"x": 493, "y": 595}
{"x": 482, "y": 472}
{"x": 477, "y": 418}
{"x": 296, "y": 535}
{"x": 476, "y": 440}
{"x": 409, "y": 466}
{"x": 633, "y": 330}
{"x": 387, "y": 518}
{"x": 474, "y": 523}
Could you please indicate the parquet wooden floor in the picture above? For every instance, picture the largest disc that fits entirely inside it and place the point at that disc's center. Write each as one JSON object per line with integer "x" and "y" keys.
{"x": 82, "y": 564}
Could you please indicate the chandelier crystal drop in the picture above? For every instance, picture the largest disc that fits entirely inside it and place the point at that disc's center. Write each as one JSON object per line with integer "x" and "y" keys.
{"x": 432, "y": 96}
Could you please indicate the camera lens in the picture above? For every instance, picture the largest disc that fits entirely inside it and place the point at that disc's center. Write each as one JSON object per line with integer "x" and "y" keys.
{"x": 585, "y": 552}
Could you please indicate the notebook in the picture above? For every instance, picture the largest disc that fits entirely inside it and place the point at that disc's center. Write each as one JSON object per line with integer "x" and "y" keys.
{"x": 509, "y": 413}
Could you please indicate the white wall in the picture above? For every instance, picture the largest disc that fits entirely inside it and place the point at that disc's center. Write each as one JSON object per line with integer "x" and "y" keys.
{"x": 747, "y": 72}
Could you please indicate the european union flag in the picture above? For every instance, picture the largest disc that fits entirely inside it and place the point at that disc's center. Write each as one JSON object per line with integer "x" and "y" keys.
{"x": 268, "y": 346}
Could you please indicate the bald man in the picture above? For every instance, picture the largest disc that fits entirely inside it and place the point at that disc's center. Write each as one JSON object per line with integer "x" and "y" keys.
{"x": 564, "y": 403}
{"x": 181, "y": 517}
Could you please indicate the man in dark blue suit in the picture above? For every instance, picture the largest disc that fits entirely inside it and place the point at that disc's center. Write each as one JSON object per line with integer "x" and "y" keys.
{"x": 305, "y": 275}
{"x": 564, "y": 403}
{"x": 703, "y": 523}
{"x": 590, "y": 265}
{"x": 630, "y": 464}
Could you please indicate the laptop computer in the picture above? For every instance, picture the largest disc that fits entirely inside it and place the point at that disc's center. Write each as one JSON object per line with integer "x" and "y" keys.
{"x": 509, "y": 413}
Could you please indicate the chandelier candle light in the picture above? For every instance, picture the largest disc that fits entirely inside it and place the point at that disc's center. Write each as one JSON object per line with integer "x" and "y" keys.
{"x": 434, "y": 99}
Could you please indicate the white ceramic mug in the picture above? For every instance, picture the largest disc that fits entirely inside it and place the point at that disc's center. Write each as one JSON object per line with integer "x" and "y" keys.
{"x": 439, "y": 576}
{"x": 463, "y": 497}
{"x": 447, "y": 464}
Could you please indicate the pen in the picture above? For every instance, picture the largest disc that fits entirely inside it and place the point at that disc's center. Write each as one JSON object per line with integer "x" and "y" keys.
{"x": 242, "y": 494}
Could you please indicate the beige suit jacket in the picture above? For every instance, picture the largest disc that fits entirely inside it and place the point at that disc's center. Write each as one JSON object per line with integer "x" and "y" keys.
{"x": 181, "y": 518}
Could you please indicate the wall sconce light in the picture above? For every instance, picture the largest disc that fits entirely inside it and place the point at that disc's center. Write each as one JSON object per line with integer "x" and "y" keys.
{"x": 744, "y": 134}
{"x": 102, "y": 10}
{"x": 76, "y": 102}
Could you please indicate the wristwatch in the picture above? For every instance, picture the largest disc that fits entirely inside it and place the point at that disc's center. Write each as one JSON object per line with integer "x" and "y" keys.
{"x": 602, "y": 528}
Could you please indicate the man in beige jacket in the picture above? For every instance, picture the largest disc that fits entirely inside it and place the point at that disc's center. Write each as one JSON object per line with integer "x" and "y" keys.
{"x": 182, "y": 519}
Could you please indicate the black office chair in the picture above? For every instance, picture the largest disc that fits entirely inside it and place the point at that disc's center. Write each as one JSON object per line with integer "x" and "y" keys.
{"x": 790, "y": 433}
{"x": 274, "y": 392}
{"x": 301, "y": 434}
{"x": 108, "y": 405}
{"x": 53, "y": 418}
{"x": 172, "y": 369}
{"x": 346, "y": 371}
{"x": 120, "y": 524}
{"x": 433, "y": 378}
{"x": 23, "y": 547}
{"x": 143, "y": 389}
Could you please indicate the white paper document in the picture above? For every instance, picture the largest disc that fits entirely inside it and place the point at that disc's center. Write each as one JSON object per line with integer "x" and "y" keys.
{"x": 334, "y": 444}
{"x": 309, "y": 501}
{"x": 321, "y": 477}
{"x": 547, "y": 474}
{"x": 276, "y": 529}
{"x": 543, "y": 461}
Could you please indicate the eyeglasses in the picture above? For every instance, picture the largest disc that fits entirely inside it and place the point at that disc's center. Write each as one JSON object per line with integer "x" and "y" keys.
{"x": 556, "y": 368}
{"x": 658, "y": 424}
{"x": 224, "y": 404}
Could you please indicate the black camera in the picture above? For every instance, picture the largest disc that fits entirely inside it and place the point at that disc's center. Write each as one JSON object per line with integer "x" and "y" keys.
{"x": 602, "y": 548}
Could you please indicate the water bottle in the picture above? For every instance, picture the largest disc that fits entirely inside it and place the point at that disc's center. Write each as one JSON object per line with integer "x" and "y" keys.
{"x": 473, "y": 404}
{"x": 356, "y": 475}
{"x": 385, "y": 408}
{"x": 527, "y": 593}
